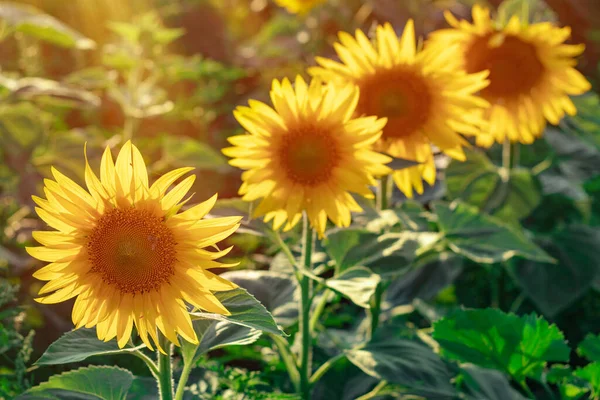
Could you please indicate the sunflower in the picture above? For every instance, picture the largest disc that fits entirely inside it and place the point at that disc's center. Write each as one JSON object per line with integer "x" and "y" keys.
{"x": 299, "y": 6}
{"x": 531, "y": 77}
{"x": 122, "y": 250}
{"x": 307, "y": 153}
{"x": 425, "y": 98}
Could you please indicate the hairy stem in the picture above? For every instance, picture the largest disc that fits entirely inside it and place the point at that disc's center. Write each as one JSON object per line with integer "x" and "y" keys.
{"x": 304, "y": 312}
{"x": 165, "y": 377}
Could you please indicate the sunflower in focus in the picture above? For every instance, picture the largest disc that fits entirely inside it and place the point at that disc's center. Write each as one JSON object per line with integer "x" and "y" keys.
{"x": 307, "y": 153}
{"x": 299, "y": 6}
{"x": 425, "y": 97}
{"x": 125, "y": 253}
{"x": 532, "y": 72}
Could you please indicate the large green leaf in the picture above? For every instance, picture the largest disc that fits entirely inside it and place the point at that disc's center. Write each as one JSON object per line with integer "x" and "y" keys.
{"x": 405, "y": 362}
{"x": 590, "y": 347}
{"x": 479, "y": 182}
{"x": 216, "y": 334}
{"x": 77, "y": 345}
{"x": 425, "y": 280}
{"x": 385, "y": 253}
{"x": 21, "y": 127}
{"x": 277, "y": 291}
{"x": 245, "y": 311}
{"x": 90, "y": 383}
{"x": 356, "y": 283}
{"x": 488, "y": 384}
{"x": 517, "y": 346}
{"x": 482, "y": 238}
{"x": 553, "y": 287}
{"x": 31, "y": 21}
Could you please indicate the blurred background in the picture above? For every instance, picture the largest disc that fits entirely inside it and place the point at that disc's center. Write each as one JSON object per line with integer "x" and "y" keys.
{"x": 167, "y": 73}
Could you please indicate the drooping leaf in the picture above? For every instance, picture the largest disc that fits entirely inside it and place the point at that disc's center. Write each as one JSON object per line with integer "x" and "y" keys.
{"x": 77, "y": 345}
{"x": 489, "y": 338}
{"x": 245, "y": 311}
{"x": 479, "y": 182}
{"x": 31, "y": 21}
{"x": 216, "y": 334}
{"x": 425, "y": 280}
{"x": 277, "y": 291}
{"x": 405, "y": 362}
{"x": 356, "y": 283}
{"x": 93, "y": 382}
{"x": 590, "y": 347}
{"x": 553, "y": 287}
{"x": 483, "y": 238}
{"x": 43, "y": 90}
{"x": 488, "y": 384}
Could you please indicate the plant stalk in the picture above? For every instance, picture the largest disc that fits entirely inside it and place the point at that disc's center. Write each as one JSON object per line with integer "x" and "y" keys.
{"x": 383, "y": 193}
{"x": 185, "y": 374}
{"x": 165, "y": 374}
{"x": 305, "y": 361}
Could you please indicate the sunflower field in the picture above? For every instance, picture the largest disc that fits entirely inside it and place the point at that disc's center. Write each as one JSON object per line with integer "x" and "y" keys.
{"x": 299, "y": 199}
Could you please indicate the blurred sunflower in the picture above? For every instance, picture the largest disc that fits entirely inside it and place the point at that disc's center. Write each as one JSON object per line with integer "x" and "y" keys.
{"x": 531, "y": 72}
{"x": 126, "y": 255}
{"x": 299, "y": 6}
{"x": 425, "y": 98}
{"x": 307, "y": 153}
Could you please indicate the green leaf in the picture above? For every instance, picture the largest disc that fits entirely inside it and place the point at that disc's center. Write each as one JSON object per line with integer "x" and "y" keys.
{"x": 77, "y": 345}
{"x": 591, "y": 374}
{"x": 216, "y": 334}
{"x": 482, "y": 238}
{"x": 277, "y": 291}
{"x": 553, "y": 287}
{"x": 590, "y": 347}
{"x": 181, "y": 151}
{"x": 51, "y": 92}
{"x": 356, "y": 283}
{"x": 425, "y": 280}
{"x": 488, "y": 384}
{"x": 517, "y": 346}
{"x": 245, "y": 311}
{"x": 386, "y": 253}
{"x": 405, "y": 362}
{"x": 21, "y": 127}
{"x": 106, "y": 383}
{"x": 31, "y": 21}
{"x": 479, "y": 182}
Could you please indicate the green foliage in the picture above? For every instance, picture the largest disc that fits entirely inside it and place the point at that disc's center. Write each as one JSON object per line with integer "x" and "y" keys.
{"x": 78, "y": 345}
{"x": 482, "y": 238}
{"x": 357, "y": 283}
{"x": 590, "y": 347}
{"x": 517, "y": 346}
{"x": 106, "y": 383}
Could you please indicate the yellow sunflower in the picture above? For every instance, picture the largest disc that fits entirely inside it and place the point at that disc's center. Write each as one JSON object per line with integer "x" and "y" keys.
{"x": 531, "y": 77}
{"x": 307, "y": 153}
{"x": 425, "y": 98}
{"x": 299, "y": 6}
{"x": 124, "y": 252}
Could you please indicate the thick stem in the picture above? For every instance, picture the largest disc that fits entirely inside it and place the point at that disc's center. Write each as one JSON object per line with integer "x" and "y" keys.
{"x": 304, "y": 312}
{"x": 165, "y": 377}
{"x": 185, "y": 374}
{"x": 506, "y": 166}
{"x": 383, "y": 193}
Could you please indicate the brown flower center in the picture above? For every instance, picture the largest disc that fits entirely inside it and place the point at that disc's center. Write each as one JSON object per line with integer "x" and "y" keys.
{"x": 399, "y": 94}
{"x": 132, "y": 249}
{"x": 308, "y": 154}
{"x": 513, "y": 64}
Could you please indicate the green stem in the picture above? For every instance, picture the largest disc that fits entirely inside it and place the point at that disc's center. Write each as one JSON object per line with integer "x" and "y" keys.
{"x": 185, "y": 374}
{"x": 527, "y": 390}
{"x": 517, "y": 303}
{"x": 383, "y": 193}
{"x": 288, "y": 359}
{"x": 506, "y": 166}
{"x": 165, "y": 377}
{"x": 314, "y": 319}
{"x": 148, "y": 361}
{"x": 373, "y": 393}
{"x": 322, "y": 370}
{"x": 375, "y": 310}
{"x": 304, "y": 312}
{"x": 129, "y": 128}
